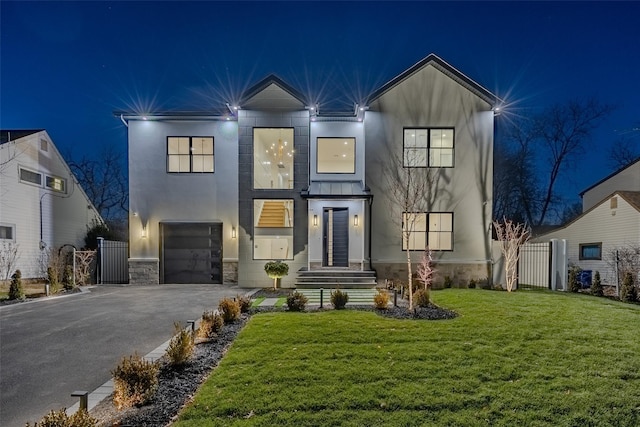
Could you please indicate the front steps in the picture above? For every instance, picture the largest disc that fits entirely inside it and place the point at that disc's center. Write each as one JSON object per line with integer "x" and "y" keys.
{"x": 356, "y": 296}
{"x": 332, "y": 278}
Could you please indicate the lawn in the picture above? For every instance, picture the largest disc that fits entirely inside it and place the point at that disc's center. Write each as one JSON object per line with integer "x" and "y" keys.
{"x": 525, "y": 358}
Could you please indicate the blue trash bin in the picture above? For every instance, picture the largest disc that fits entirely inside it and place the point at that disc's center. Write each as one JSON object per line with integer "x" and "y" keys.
{"x": 585, "y": 279}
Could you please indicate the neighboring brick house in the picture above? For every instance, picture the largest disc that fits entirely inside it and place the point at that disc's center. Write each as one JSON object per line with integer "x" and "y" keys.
{"x": 213, "y": 196}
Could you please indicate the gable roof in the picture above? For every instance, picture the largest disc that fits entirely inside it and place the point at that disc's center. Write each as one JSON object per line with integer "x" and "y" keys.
{"x": 437, "y": 62}
{"x": 631, "y": 197}
{"x": 273, "y": 88}
{"x": 7, "y": 135}
{"x": 609, "y": 176}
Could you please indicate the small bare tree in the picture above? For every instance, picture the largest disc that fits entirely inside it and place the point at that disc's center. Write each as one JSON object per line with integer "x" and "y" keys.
{"x": 425, "y": 269}
{"x": 84, "y": 260}
{"x": 511, "y": 236}
{"x": 623, "y": 260}
{"x": 9, "y": 255}
{"x": 411, "y": 187}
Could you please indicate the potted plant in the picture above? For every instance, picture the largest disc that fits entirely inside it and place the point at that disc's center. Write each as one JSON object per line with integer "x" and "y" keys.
{"x": 276, "y": 270}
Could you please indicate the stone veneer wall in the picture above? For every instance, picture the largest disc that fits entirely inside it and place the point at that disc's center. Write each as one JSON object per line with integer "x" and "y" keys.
{"x": 460, "y": 273}
{"x": 144, "y": 271}
{"x": 230, "y": 272}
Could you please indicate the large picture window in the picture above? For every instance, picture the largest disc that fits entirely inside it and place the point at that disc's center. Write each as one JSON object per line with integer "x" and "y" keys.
{"x": 273, "y": 158}
{"x": 336, "y": 155}
{"x": 190, "y": 154}
{"x": 273, "y": 229}
{"x": 434, "y": 229}
{"x": 428, "y": 147}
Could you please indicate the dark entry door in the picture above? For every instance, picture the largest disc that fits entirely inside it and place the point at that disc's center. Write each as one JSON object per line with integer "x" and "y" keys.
{"x": 192, "y": 252}
{"x": 335, "y": 226}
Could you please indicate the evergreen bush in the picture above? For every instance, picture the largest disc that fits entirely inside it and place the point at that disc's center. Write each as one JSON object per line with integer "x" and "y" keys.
{"x": 448, "y": 282}
{"x": 180, "y": 347}
{"x": 54, "y": 282}
{"x": 210, "y": 324}
{"x": 60, "y": 419}
{"x": 339, "y": 299}
{"x": 421, "y": 298}
{"x": 596, "y": 285}
{"x": 574, "y": 283}
{"x": 67, "y": 278}
{"x": 628, "y": 291}
{"x": 16, "y": 290}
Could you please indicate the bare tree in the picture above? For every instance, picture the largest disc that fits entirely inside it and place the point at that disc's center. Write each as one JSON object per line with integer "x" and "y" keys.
{"x": 511, "y": 236}
{"x": 426, "y": 270}
{"x": 105, "y": 182}
{"x": 623, "y": 152}
{"x": 84, "y": 260}
{"x": 9, "y": 255}
{"x": 411, "y": 190}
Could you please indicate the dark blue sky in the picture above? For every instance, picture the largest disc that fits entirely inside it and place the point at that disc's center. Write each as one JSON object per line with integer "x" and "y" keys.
{"x": 65, "y": 66}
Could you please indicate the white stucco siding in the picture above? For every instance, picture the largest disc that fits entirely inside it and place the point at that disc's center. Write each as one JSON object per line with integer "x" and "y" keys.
{"x": 157, "y": 196}
{"x": 65, "y": 216}
{"x": 430, "y": 98}
{"x": 613, "y": 228}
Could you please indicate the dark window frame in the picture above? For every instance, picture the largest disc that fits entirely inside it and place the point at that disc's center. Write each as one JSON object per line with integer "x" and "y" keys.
{"x": 583, "y": 246}
{"x": 25, "y": 181}
{"x": 191, "y": 155}
{"x": 335, "y": 137}
{"x": 254, "y": 227}
{"x": 428, "y": 148}
{"x": 426, "y": 232}
{"x": 12, "y": 232}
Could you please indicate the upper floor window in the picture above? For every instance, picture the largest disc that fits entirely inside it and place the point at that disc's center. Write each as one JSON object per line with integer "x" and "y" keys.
{"x": 190, "y": 154}
{"x": 273, "y": 158}
{"x": 336, "y": 155}
{"x": 56, "y": 184}
{"x": 30, "y": 177}
{"x": 428, "y": 147}
{"x": 422, "y": 229}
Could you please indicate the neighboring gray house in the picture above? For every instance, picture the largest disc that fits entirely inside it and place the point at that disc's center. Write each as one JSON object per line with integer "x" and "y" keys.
{"x": 215, "y": 196}
{"x": 42, "y": 207}
{"x": 610, "y": 221}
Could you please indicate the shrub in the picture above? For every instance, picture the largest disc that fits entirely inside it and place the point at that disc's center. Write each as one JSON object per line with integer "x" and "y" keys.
{"x": 52, "y": 277}
{"x": 16, "y": 291}
{"x": 276, "y": 270}
{"x": 60, "y": 419}
{"x": 473, "y": 284}
{"x": 596, "y": 285}
{"x": 296, "y": 301}
{"x": 628, "y": 291}
{"x": 574, "y": 283}
{"x": 339, "y": 299}
{"x": 448, "y": 282}
{"x": 381, "y": 300}
{"x": 67, "y": 278}
{"x": 244, "y": 303}
{"x": 180, "y": 347}
{"x": 421, "y": 298}
{"x": 210, "y": 324}
{"x": 229, "y": 310}
{"x": 135, "y": 381}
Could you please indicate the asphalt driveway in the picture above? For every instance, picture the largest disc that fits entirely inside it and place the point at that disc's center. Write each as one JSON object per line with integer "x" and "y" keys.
{"x": 51, "y": 348}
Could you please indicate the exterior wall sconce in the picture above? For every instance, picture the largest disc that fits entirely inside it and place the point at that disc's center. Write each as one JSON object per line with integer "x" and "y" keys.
{"x": 315, "y": 220}
{"x": 233, "y": 232}
{"x": 143, "y": 232}
{"x": 355, "y": 221}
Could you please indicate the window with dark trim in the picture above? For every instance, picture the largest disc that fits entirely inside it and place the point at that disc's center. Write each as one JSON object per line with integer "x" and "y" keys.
{"x": 433, "y": 229}
{"x": 56, "y": 184}
{"x": 30, "y": 177}
{"x": 590, "y": 251}
{"x": 336, "y": 155}
{"x": 428, "y": 147}
{"x": 273, "y": 229}
{"x": 190, "y": 154}
{"x": 7, "y": 232}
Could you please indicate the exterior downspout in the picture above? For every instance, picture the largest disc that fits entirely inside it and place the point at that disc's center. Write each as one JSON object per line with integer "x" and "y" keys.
{"x": 369, "y": 226}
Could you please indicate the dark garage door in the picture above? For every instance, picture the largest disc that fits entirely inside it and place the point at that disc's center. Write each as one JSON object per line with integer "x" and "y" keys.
{"x": 191, "y": 252}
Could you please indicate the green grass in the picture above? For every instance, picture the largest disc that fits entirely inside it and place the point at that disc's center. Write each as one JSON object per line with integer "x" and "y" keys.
{"x": 519, "y": 359}
{"x": 256, "y": 302}
{"x": 281, "y": 301}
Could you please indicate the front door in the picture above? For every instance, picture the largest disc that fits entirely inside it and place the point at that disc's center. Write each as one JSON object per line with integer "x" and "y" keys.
{"x": 335, "y": 237}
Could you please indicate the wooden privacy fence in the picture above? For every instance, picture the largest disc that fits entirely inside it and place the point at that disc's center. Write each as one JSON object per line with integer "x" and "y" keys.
{"x": 113, "y": 265}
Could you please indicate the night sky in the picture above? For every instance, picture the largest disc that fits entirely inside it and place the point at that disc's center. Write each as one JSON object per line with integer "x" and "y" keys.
{"x": 66, "y": 66}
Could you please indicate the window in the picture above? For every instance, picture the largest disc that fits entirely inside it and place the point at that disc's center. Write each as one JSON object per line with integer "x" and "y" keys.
{"x": 7, "y": 232}
{"x": 428, "y": 147}
{"x": 30, "y": 177}
{"x": 273, "y": 158}
{"x": 434, "y": 230}
{"x": 336, "y": 155}
{"x": 44, "y": 145}
{"x": 190, "y": 154}
{"x": 56, "y": 184}
{"x": 273, "y": 229}
{"x": 590, "y": 251}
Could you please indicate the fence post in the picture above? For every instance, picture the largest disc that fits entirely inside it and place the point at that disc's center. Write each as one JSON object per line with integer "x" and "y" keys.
{"x": 321, "y": 296}
{"x": 84, "y": 399}
{"x": 74, "y": 267}
{"x": 553, "y": 264}
{"x": 100, "y": 260}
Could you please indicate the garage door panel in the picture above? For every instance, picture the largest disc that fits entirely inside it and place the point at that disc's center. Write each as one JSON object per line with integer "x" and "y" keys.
{"x": 192, "y": 253}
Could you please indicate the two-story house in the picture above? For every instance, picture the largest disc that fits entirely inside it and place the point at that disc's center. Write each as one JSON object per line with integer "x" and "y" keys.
{"x": 213, "y": 197}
